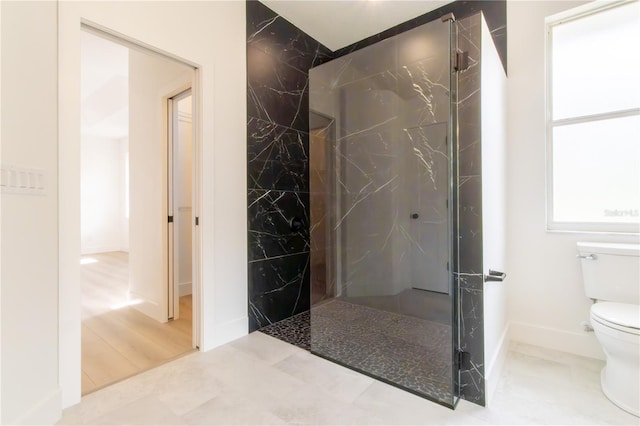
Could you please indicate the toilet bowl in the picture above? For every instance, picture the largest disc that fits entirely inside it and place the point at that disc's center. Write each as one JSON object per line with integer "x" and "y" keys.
{"x": 610, "y": 275}
{"x": 617, "y": 328}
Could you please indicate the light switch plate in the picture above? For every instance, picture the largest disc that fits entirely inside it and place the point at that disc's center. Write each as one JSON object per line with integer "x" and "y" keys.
{"x": 22, "y": 180}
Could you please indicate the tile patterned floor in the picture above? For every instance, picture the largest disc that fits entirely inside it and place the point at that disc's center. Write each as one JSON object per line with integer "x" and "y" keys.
{"x": 259, "y": 380}
{"x": 295, "y": 330}
{"x": 413, "y": 353}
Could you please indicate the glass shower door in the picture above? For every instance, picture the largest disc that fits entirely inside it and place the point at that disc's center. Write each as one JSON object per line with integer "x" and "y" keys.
{"x": 388, "y": 309}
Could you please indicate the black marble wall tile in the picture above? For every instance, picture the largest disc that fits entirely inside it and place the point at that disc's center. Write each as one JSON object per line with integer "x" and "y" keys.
{"x": 276, "y": 92}
{"x": 278, "y": 156}
{"x": 470, "y": 280}
{"x": 279, "y": 57}
{"x": 279, "y": 288}
{"x": 270, "y": 219}
{"x": 469, "y": 276}
{"x": 472, "y": 341}
{"x": 275, "y": 36}
{"x": 495, "y": 12}
{"x": 470, "y": 163}
{"x": 470, "y": 221}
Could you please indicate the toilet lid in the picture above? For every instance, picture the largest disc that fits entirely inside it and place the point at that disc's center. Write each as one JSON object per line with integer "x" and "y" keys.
{"x": 617, "y": 314}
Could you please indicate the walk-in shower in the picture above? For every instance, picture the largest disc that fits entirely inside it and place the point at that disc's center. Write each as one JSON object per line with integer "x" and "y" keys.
{"x": 389, "y": 222}
{"x": 383, "y": 184}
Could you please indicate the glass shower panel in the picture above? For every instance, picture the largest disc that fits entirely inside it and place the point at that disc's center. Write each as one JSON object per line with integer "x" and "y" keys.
{"x": 383, "y": 243}
{"x": 429, "y": 225}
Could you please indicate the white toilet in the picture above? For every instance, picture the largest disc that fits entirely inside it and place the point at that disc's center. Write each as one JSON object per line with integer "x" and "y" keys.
{"x": 611, "y": 275}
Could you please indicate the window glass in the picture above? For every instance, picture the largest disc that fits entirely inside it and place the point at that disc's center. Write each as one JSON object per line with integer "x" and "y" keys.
{"x": 596, "y": 174}
{"x": 596, "y": 63}
{"x": 594, "y": 121}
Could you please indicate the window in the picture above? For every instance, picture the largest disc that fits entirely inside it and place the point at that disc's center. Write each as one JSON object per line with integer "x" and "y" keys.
{"x": 593, "y": 119}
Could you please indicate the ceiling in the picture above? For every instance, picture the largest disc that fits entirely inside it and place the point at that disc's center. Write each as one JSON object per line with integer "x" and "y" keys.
{"x": 339, "y": 23}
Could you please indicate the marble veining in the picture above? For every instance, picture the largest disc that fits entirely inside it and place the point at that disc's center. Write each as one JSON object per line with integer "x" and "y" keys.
{"x": 469, "y": 276}
{"x": 279, "y": 288}
{"x": 389, "y": 163}
{"x": 270, "y": 228}
{"x": 388, "y": 195}
{"x": 391, "y": 179}
{"x": 278, "y": 157}
{"x": 279, "y": 56}
{"x": 275, "y": 36}
{"x": 276, "y": 91}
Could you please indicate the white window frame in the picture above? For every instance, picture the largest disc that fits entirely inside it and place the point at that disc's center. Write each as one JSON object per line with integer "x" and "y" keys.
{"x": 583, "y": 227}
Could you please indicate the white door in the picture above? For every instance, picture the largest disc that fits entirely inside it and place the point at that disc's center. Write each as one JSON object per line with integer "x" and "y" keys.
{"x": 429, "y": 168}
{"x": 151, "y": 79}
{"x": 180, "y": 200}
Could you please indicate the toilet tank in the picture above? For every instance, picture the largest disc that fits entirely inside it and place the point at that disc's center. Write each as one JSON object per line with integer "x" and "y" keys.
{"x": 611, "y": 271}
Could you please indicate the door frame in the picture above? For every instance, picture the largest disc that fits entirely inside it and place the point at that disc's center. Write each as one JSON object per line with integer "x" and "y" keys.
{"x": 69, "y": 195}
{"x": 172, "y": 234}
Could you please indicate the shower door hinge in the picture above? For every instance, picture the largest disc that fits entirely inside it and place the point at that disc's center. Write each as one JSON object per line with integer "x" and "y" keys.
{"x": 170, "y": 219}
{"x": 463, "y": 359}
{"x": 461, "y": 60}
{"x": 197, "y": 221}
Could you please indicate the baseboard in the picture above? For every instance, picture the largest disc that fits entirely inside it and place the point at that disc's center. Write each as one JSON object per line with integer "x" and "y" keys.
{"x": 583, "y": 344}
{"x": 227, "y": 332}
{"x": 495, "y": 366}
{"x": 184, "y": 289}
{"x": 46, "y": 412}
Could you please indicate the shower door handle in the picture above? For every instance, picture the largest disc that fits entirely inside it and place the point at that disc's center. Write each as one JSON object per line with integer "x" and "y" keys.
{"x": 495, "y": 276}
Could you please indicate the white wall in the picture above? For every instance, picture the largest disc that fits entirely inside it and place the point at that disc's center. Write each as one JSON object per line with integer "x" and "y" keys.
{"x": 211, "y": 35}
{"x": 0, "y": 214}
{"x": 102, "y": 210}
{"x": 546, "y": 297}
{"x": 151, "y": 79}
{"x": 29, "y": 240}
{"x": 494, "y": 205}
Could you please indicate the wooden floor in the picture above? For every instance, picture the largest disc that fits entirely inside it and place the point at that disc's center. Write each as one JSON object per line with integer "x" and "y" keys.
{"x": 117, "y": 340}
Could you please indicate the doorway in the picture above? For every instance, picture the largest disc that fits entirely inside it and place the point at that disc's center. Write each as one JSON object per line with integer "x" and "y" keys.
{"x": 135, "y": 312}
{"x": 180, "y": 201}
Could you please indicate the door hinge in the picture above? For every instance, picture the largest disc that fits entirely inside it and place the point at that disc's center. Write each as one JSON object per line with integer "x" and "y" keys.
{"x": 461, "y": 60}
{"x": 170, "y": 219}
{"x": 197, "y": 221}
{"x": 463, "y": 359}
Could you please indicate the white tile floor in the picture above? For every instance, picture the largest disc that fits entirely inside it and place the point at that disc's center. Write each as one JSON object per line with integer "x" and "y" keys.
{"x": 261, "y": 380}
